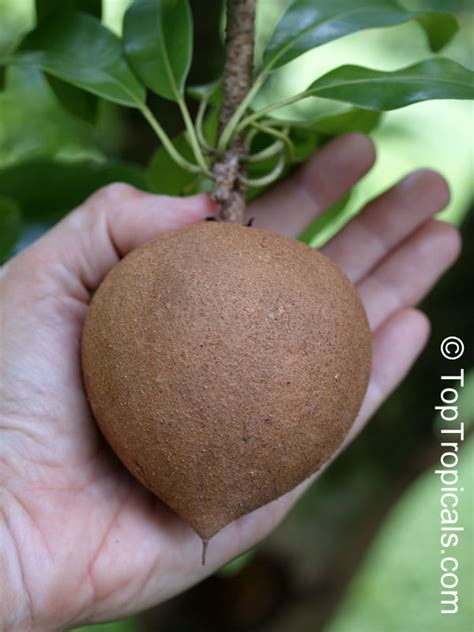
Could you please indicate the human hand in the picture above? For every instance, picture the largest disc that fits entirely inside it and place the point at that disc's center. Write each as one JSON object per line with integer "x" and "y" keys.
{"x": 81, "y": 540}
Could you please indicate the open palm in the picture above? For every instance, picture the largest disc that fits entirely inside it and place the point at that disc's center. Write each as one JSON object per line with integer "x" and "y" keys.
{"x": 80, "y": 539}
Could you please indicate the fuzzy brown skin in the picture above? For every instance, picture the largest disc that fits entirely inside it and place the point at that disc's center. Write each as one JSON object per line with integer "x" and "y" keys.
{"x": 224, "y": 365}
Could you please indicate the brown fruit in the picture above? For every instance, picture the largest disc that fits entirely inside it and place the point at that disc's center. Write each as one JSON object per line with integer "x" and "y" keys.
{"x": 224, "y": 365}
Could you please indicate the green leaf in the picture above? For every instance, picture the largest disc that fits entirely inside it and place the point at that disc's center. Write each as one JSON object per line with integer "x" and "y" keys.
{"x": 47, "y": 8}
{"x": 234, "y": 567}
{"x": 158, "y": 40}
{"x": 2, "y": 77}
{"x": 402, "y": 564}
{"x": 164, "y": 176}
{"x": 383, "y": 90}
{"x": 78, "y": 49}
{"x": 205, "y": 92}
{"x": 342, "y": 120}
{"x": 305, "y": 141}
{"x": 77, "y": 102}
{"x": 211, "y": 121}
{"x": 315, "y": 233}
{"x": 354, "y": 120}
{"x": 310, "y": 23}
{"x": 46, "y": 189}
{"x": 11, "y": 224}
{"x": 124, "y": 625}
{"x": 440, "y": 28}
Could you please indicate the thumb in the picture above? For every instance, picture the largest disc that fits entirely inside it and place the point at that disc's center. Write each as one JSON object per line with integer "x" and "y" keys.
{"x": 76, "y": 254}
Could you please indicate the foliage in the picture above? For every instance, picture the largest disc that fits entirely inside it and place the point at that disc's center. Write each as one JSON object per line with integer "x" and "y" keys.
{"x": 158, "y": 44}
{"x": 10, "y": 226}
{"x": 84, "y": 61}
{"x": 403, "y": 566}
{"x": 46, "y": 189}
{"x": 79, "y": 50}
{"x": 381, "y": 90}
{"x": 126, "y": 625}
{"x": 308, "y": 24}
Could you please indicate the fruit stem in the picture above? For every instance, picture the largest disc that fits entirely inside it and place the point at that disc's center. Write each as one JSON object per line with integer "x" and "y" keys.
{"x": 268, "y": 152}
{"x": 279, "y": 134}
{"x": 167, "y": 143}
{"x": 193, "y": 139}
{"x": 199, "y": 124}
{"x": 267, "y": 179}
{"x": 251, "y": 118}
{"x": 204, "y": 551}
{"x": 229, "y": 190}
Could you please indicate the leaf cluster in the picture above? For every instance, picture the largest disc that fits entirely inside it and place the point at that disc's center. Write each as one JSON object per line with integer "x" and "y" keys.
{"x": 85, "y": 61}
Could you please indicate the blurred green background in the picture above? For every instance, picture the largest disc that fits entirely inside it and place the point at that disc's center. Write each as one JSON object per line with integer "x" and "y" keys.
{"x": 360, "y": 552}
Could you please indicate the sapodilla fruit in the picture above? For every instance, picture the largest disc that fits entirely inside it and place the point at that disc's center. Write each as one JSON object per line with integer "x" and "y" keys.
{"x": 224, "y": 364}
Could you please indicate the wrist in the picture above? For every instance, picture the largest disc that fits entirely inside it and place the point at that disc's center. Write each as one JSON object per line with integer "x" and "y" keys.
{"x": 15, "y": 611}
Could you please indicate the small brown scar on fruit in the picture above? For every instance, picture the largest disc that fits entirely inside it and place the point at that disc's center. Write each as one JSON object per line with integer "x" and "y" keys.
{"x": 246, "y": 436}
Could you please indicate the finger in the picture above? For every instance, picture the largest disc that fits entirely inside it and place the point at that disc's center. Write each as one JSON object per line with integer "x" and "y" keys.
{"x": 79, "y": 251}
{"x": 386, "y": 221}
{"x": 395, "y": 347}
{"x": 407, "y": 274}
{"x": 323, "y": 180}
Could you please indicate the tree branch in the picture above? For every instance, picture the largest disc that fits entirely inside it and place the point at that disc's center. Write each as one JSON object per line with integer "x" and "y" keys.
{"x": 237, "y": 79}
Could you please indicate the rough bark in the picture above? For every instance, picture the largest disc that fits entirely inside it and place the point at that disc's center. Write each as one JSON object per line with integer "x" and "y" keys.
{"x": 238, "y": 67}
